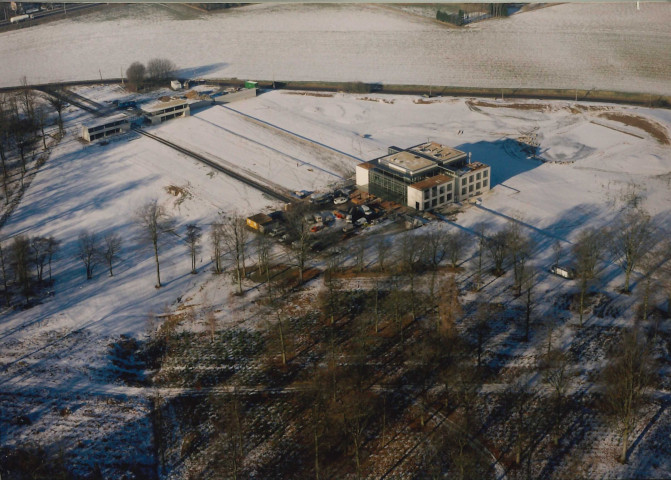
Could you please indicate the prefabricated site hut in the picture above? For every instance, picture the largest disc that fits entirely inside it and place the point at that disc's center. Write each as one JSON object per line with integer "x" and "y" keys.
{"x": 260, "y": 222}
{"x": 424, "y": 177}
{"x": 105, "y": 127}
{"x": 159, "y": 112}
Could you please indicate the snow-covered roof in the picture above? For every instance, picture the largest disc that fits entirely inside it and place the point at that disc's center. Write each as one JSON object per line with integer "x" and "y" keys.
{"x": 96, "y": 122}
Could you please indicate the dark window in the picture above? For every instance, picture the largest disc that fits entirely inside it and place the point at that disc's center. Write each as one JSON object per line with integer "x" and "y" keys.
{"x": 442, "y": 189}
{"x": 470, "y": 179}
{"x": 463, "y": 191}
{"x": 449, "y": 187}
{"x": 485, "y": 173}
{"x": 470, "y": 188}
{"x": 434, "y": 190}
{"x": 426, "y": 205}
{"x": 449, "y": 197}
{"x": 442, "y": 199}
{"x": 477, "y": 185}
{"x": 484, "y": 182}
{"x": 417, "y": 205}
{"x": 478, "y": 176}
{"x": 434, "y": 202}
{"x": 426, "y": 194}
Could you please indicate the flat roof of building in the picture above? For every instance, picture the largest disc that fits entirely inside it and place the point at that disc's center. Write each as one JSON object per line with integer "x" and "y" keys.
{"x": 260, "y": 218}
{"x": 407, "y": 162}
{"x": 439, "y": 179}
{"x": 440, "y": 152}
{"x": 471, "y": 167}
{"x": 104, "y": 121}
{"x": 367, "y": 165}
{"x": 158, "y": 106}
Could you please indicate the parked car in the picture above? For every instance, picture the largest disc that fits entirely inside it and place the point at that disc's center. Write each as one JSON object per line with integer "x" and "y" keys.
{"x": 349, "y": 228}
{"x": 316, "y": 228}
{"x": 340, "y": 200}
{"x": 366, "y": 210}
{"x": 348, "y": 218}
{"x": 362, "y": 221}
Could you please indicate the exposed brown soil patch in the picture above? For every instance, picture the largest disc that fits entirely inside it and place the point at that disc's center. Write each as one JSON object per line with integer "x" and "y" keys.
{"x": 656, "y": 130}
{"x": 368, "y": 99}
{"x": 539, "y": 107}
{"x": 310, "y": 94}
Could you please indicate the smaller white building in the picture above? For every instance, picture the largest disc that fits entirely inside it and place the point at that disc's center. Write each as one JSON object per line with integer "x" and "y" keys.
{"x": 175, "y": 85}
{"x": 105, "y": 127}
{"x": 163, "y": 111}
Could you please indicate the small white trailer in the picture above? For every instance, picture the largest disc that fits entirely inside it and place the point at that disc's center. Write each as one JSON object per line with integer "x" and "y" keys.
{"x": 563, "y": 271}
{"x": 20, "y": 18}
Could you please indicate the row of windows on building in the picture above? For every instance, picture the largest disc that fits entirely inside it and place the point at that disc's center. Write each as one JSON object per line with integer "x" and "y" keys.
{"x": 169, "y": 109}
{"x": 477, "y": 176}
{"x": 105, "y": 134}
{"x": 107, "y": 125}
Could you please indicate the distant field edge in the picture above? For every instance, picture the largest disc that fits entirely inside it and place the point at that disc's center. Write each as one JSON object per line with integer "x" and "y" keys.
{"x": 431, "y": 91}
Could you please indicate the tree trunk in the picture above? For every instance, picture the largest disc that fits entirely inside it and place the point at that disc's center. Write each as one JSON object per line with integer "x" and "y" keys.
{"x": 284, "y": 351}
{"x": 625, "y": 445}
{"x": 583, "y": 287}
{"x": 158, "y": 270}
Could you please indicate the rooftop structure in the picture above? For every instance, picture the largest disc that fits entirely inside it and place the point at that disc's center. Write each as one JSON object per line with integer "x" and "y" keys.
{"x": 407, "y": 163}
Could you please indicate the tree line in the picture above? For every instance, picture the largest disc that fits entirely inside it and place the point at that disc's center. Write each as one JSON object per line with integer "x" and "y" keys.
{"x": 157, "y": 70}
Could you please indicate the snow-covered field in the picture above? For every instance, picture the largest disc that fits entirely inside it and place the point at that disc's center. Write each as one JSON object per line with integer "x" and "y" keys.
{"x": 56, "y": 353}
{"x": 586, "y": 46}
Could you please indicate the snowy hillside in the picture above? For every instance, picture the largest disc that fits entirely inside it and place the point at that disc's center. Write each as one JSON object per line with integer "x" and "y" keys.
{"x": 585, "y": 46}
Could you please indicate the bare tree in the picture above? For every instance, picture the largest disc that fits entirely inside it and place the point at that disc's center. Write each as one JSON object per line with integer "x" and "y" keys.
{"x": 497, "y": 246}
{"x": 57, "y": 103}
{"x": 383, "y": 247}
{"x": 53, "y": 246}
{"x": 136, "y": 74}
{"x": 631, "y": 238}
{"x": 88, "y": 251}
{"x": 628, "y": 373}
{"x": 519, "y": 250}
{"x": 111, "y": 248}
{"x": 299, "y": 229}
{"x": 449, "y": 307}
{"x": 556, "y": 375}
{"x": 217, "y": 240}
{"x": 360, "y": 254}
{"x": 41, "y": 118}
{"x": 481, "y": 328}
{"x": 263, "y": 247}
{"x": 556, "y": 252}
{"x": 5, "y": 276}
{"x": 528, "y": 283}
{"x": 40, "y": 249}
{"x": 154, "y": 222}
{"x": 21, "y": 262}
{"x": 159, "y": 69}
{"x": 411, "y": 255}
{"x": 587, "y": 251}
{"x": 479, "y": 257}
{"x": 192, "y": 240}
{"x": 234, "y": 237}
{"x": 5, "y": 131}
{"x": 455, "y": 244}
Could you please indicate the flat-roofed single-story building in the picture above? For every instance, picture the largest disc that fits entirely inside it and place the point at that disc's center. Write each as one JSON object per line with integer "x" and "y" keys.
{"x": 105, "y": 127}
{"x": 159, "y": 112}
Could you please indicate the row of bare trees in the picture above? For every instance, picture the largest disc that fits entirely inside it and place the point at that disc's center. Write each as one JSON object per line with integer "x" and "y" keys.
{"x": 23, "y": 263}
{"x": 156, "y": 70}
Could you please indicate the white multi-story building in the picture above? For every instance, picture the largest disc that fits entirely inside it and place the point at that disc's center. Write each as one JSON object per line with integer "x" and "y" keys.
{"x": 105, "y": 127}
{"x": 162, "y": 111}
{"x": 424, "y": 177}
